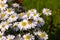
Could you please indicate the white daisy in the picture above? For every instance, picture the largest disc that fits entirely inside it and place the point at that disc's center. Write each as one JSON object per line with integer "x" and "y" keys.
{"x": 29, "y": 15}
{"x": 15, "y": 26}
{"x": 9, "y": 11}
{"x": 15, "y": 5}
{"x": 4, "y": 16}
{"x": 1, "y": 36}
{"x": 28, "y": 37}
{"x": 42, "y": 35}
{"x": 10, "y": 37}
{"x": 23, "y": 25}
{"x": 46, "y": 11}
{"x": 3, "y": 1}
{"x": 22, "y": 16}
{"x": 32, "y": 11}
{"x": 13, "y": 17}
{"x": 32, "y": 23}
{"x": 3, "y": 6}
{"x": 18, "y": 37}
{"x": 35, "y": 16}
{"x": 4, "y": 26}
{"x": 32, "y": 14}
{"x": 40, "y": 22}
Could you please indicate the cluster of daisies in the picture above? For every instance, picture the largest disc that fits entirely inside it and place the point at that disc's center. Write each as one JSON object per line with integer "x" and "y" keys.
{"x": 20, "y": 22}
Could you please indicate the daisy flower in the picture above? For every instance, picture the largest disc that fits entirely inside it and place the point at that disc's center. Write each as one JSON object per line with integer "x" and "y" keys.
{"x": 32, "y": 11}
{"x": 15, "y": 26}
{"x": 22, "y": 16}
{"x": 32, "y": 23}
{"x": 15, "y": 5}
{"x": 1, "y": 36}
{"x": 4, "y": 26}
{"x": 23, "y": 25}
{"x": 42, "y": 35}
{"x": 4, "y": 16}
{"x": 9, "y": 11}
{"x": 13, "y": 17}
{"x": 29, "y": 15}
{"x": 35, "y": 16}
{"x": 40, "y": 22}
{"x": 3, "y": 1}
{"x": 3, "y": 6}
{"x": 32, "y": 14}
{"x": 28, "y": 37}
{"x": 10, "y": 37}
{"x": 46, "y": 11}
{"x": 18, "y": 37}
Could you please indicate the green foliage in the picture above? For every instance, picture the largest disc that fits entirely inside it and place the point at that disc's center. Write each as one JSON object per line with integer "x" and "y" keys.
{"x": 52, "y": 26}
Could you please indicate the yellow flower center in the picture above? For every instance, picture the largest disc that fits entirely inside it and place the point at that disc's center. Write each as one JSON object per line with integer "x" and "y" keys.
{"x": 2, "y": 5}
{"x": 9, "y": 10}
{"x": 0, "y": 36}
{"x": 32, "y": 10}
{"x": 47, "y": 10}
{"x": 2, "y": 0}
{"x": 28, "y": 37}
{"x": 12, "y": 16}
{"x": 35, "y": 14}
{"x": 24, "y": 23}
{"x": 3, "y": 26}
{"x": 3, "y": 15}
{"x": 38, "y": 21}
{"x": 42, "y": 35}
{"x": 30, "y": 21}
{"x": 21, "y": 14}
{"x": 28, "y": 14}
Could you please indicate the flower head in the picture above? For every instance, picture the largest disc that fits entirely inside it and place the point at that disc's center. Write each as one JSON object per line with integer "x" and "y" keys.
{"x": 4, "y": 16}
{"x": 15, "y": 26}
{"x": 32, "y": 11}
{"x": 40, "y": 21}
{"x": 10, "y": 37}
{"x": 3, "y": 6}
{"x": 42, "y": 35}
{"x": 32, "y": 23}
{"x": 13, "y": 17}
{"x": 35, "y": 16}
{"x": 46, "y": 11}
{"x": 9, "y": 11}
{"x": 23, "y": 25}
{"x": 22, "y": 16}
{"x": 28, "y": 37}
{"x": 18, "y": 37}
{"x": 2, "y": 36}
{"x": 4, "y": 26}
{"x": 15, "y": 5}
